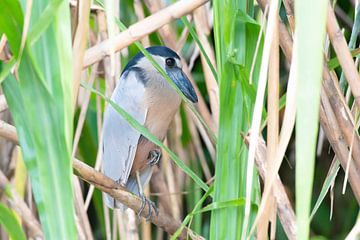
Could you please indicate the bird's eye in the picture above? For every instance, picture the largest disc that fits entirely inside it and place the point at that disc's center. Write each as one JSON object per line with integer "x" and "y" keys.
{"x": 170, "y": 62}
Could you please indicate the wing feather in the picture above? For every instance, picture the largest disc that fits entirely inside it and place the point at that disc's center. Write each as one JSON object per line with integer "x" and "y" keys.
{"x": 119, "y": 138}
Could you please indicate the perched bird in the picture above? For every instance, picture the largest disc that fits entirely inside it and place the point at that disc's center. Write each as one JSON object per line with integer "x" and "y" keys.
{"x": 128, "y": 157}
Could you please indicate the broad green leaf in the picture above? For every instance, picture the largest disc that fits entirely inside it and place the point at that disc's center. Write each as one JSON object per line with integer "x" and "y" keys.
{"x": 310, "y": 21}
{"x": 40, "y": 101}
{"x": 10, "y": 223}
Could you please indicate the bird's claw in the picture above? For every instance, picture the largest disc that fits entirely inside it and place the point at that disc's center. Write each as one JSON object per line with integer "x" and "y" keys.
{"x": 154, "y": 157}
{"x": 152, "y": 206}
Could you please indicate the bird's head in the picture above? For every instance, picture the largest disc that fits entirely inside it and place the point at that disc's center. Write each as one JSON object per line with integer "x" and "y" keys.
{"x": 168, "y": 60}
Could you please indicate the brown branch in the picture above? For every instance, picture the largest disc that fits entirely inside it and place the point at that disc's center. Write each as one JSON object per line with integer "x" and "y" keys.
{"x": 343, "y": 53}
{"x": 8, "y": 131}
{"x": 140, "y": 29}
{"x": 107, "y": 185}
{"x": 20, "y": 207}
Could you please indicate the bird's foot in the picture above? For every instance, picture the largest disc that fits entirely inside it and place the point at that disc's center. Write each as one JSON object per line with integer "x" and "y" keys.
{"x": 154, "y": 157}
{"x": 152, "y": 206}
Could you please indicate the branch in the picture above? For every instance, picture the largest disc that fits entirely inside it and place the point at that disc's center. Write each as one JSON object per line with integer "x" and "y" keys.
{"x": 107, "y": 185}
{"x": 343, "y": 53}
{"x": 140, "y": 29}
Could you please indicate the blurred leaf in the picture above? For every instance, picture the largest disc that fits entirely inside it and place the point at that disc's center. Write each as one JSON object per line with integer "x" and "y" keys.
{"x": 334, "y": 62}
{"x": 310, "y": 21}
{"x": 40, "y": 101}
{"x": 10, "y": 223}
{"x": 330, "y": 178}
{"x": 11, "y": 23}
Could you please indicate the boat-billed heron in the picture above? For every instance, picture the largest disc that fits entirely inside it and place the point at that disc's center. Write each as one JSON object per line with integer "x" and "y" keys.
{"x": 128, "y": 157}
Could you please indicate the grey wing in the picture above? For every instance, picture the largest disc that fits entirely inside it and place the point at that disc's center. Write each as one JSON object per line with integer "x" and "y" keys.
{"x": 119, "y": 138}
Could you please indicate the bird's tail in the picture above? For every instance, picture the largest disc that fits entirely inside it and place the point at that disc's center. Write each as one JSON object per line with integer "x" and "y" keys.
{"x": 131, "y": 186}
{"x": 112, "y": 203}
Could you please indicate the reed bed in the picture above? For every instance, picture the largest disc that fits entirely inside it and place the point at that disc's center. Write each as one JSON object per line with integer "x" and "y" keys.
{"x": 270, "y": 151}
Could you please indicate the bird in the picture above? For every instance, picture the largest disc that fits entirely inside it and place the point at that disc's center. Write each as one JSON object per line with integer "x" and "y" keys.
{"x": 128, "y": 156}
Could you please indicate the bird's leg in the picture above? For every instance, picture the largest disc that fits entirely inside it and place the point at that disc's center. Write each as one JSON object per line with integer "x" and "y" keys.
{"x": 154, "y": 157}
{"x": 144, "y": 200}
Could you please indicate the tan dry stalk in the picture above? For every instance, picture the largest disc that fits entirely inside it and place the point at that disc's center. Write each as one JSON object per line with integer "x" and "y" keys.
{"x": 79, "y": 45}
{"x": 202, "y": 28}
{"x": 8, "y": 131}
{"x": 337, "y": 106}
{"x": 285, "y": 211}
{"x": 3, "y": 104}
{"x": 272, "y": 129}
{"x": 343, "y": 53}
{"x": 140, "y": 29}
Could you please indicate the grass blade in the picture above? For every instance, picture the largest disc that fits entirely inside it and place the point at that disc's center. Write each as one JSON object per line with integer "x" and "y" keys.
{"x": 10, "y": 223}
{"x": 310, "y": 21}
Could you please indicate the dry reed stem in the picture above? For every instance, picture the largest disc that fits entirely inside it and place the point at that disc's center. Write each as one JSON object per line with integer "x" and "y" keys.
{"x": 343, "y": 53}
{"x": 200, "y": 19}
{"x": 341, "y": 110}
{"x": 285, "y": 211}
{"x": 335, "y": 137}
{"x": 140, "y": 29}
{"x": 139, "y": 11}
{"x": 83, "y": 110}
{"x": 272, "y": 129}
{"x": 257, "y": 113}
{"x": 83, "y": 219}
{"x": 3, "y": 104}
{"x": 21, "y": 209}
{"x": 79, "y": 45}
{"x": 8, "y": 131}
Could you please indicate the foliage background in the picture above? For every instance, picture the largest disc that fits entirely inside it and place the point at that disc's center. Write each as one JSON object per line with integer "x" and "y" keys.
{"x": 40, "y": 75}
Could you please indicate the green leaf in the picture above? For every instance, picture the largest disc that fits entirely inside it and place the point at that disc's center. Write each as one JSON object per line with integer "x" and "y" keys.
{"x": 40, "y": 101}
{"x": 330, "y": 178}
{"x": 195, "y": 37}
{"x": 11, "y": 23}
{"x": 10, "y": 223}
{"x": 310, "y": 21}
{"x": 236, "y": 36}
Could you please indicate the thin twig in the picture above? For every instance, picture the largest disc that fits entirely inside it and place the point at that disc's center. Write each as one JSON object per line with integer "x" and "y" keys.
{"x": 80, "y": 39}
{"x": 343, "y": 53}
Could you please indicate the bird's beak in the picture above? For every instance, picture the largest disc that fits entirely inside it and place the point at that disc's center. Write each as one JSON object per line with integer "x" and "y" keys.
{"x": 184, "y": 84}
